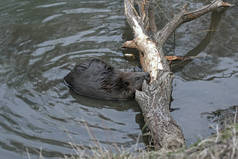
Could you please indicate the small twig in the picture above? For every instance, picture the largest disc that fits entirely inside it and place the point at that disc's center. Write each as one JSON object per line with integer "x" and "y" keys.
{"x": 218, "y": 134}
{"x": 28, "y": 154}
{"x": 129, "y": 44}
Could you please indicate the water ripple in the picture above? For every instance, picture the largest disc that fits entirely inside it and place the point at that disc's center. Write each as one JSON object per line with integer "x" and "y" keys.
{"x": 51, "y": 5}
{"x": 41, "y": 41}
{"x": 85, "y": 10}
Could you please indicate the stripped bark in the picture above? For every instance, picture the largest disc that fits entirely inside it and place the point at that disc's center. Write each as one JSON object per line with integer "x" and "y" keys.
{"x": 155, "y": 97}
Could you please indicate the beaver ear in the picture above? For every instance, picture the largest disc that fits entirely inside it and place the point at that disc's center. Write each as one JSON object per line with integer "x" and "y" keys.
{"x": 81, "y": 67}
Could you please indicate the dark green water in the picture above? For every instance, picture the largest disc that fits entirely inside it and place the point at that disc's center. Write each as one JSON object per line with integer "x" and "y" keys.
{"x": 40, "y": 41}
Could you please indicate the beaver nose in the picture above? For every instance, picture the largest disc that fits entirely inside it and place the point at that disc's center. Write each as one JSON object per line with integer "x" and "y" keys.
{"x": 147, "y": 77}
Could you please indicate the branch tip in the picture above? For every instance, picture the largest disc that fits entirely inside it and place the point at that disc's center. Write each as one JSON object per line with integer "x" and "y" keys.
{"x": 185, "y": 7}
{"x": 129, "y": 44}
{"x": 226, "y": 4}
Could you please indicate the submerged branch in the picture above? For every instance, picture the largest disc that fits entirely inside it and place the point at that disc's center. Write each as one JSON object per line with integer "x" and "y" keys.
{"x": 185, "y": 16}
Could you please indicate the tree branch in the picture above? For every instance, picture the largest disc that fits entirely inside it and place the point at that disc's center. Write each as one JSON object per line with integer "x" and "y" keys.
{"x": 184, "y": 16}
{"x": 155, "y": 98}
{"x": 149, "y": 52}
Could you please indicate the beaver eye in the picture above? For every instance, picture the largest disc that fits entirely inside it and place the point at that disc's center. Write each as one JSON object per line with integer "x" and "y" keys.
{"x": 126, "y": 83}
{"x": 137, "y": 78}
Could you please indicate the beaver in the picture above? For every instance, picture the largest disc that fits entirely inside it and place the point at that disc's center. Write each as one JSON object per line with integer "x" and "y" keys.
{"x": 95, "y": 78}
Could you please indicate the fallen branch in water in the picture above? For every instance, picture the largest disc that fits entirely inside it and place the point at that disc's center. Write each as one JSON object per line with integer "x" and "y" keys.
{"x": 155, "y": 97}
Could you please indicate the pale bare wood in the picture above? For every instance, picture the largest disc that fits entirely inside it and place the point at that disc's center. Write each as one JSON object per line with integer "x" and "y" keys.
{"x": 180, "y": 58}
{"x": 150, "y": 53}
{"x": 129, "y": 44}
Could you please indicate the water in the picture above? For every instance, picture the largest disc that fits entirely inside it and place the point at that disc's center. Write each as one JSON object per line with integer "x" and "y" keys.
{"x": 41, "y": 41}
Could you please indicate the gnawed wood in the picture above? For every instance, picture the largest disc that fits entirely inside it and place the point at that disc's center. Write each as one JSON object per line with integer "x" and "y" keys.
{"x": 179, "y": 58}
{"x": 149, "y": 52}
{"x": 129, "y": 44}
{"x": 155, "y": 97}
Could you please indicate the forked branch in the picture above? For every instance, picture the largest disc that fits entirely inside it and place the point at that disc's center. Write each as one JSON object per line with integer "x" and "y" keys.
{"x": 185, "y": 16}
{"x": 155, "y": 98}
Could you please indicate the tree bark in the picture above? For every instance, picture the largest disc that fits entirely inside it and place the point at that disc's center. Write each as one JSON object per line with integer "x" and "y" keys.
{"x": 155, "y": 97}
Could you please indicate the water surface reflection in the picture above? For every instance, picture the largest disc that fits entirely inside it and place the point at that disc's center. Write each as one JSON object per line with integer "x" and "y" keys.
{"x": 41, "y": 41}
